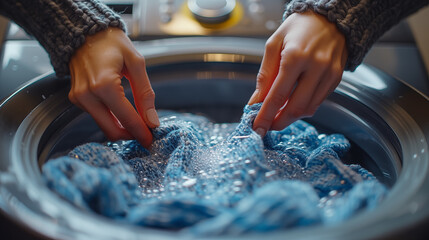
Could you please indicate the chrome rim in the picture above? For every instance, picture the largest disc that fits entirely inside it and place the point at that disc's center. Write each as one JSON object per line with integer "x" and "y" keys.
{"x": 380, "y": 114}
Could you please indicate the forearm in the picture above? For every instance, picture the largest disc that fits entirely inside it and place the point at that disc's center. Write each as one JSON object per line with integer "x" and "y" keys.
{"x": 60, "y": 25}
{"x": 361, "y": 21}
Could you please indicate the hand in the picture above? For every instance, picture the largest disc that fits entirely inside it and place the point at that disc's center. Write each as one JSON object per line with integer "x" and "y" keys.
{"x": 96, "y": 71}
{"x": 302, "y": 64}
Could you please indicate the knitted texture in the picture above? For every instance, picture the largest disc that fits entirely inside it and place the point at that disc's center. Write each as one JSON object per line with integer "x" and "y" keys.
{"x": 208, "y": 179}
{"x": 361, "y": 21}
{"x": 61, "y": 26}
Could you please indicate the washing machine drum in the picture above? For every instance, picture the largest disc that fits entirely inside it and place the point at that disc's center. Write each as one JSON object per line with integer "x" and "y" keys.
{"x": 385, "y": 120}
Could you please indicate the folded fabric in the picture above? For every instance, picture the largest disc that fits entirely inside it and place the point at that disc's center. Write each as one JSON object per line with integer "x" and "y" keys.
{"x": 209, "y": 179}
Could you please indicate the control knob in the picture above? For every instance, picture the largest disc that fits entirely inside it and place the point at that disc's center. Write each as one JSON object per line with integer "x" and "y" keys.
{"x": 211, "y": 11}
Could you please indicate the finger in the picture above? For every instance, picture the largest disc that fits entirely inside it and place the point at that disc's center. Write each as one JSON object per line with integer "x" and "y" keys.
{"x": 144, "y": 96}
{"x": 84, "y": 99}
{"x": 268, "y": 70}
{"x": 331, "y": 78}
{"x": 325, "y": 87}
{"x": 289, "y": 71}
{"x": 104, "y": 118}
{"x": 114, "y": 99}
{"x": 298, "y": 104}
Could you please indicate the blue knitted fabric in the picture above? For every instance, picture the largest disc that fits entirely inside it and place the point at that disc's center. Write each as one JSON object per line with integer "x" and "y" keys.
{"x": 209, "y": 179}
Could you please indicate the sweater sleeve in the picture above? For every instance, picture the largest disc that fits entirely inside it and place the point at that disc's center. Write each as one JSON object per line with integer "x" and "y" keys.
{"x": 361, "y": 21}
{"x": 60, "y": 26}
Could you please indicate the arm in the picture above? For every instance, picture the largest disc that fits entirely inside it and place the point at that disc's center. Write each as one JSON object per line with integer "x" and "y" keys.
{"x": 361, "y": 21}
{"x": 305, "y": 58}
{"x": 87, "y": 40}
{"x": 61, "y": 27}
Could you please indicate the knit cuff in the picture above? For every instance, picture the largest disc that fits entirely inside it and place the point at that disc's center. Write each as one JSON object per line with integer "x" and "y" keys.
{"x": 61, "y": 26}
{"x": 74, "y": 24}
{"x": 362, "y": 22}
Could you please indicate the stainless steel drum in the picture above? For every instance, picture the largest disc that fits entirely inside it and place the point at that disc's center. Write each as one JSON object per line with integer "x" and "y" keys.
{"x": 386, "y": 121}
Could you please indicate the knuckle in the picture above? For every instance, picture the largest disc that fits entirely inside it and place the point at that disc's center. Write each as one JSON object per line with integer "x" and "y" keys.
{"x": 322, "y": 60}
{"x": 97, "y": 87}
{"x": 261, "y": 77}
{"x": 78, "y": 94}
{"x": 284, "y": 63}
{"x": 104, "y": 84}
{"x": 292, "y": 56}
{"x": 147, "y": 93}
{"x": 71, "y": 97}
{"x": 271, "y": 43}
{"x": 140, "y": 60}
{"x": 295, "y": 52}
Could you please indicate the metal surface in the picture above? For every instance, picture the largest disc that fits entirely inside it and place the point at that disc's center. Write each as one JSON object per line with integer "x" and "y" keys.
{"x": 22, "y": 60}
{"x": 385, "y": 118}
{"x": 165, "y": 18}
{"x": 211, "y": 11}
{"x": 382, "y": 116}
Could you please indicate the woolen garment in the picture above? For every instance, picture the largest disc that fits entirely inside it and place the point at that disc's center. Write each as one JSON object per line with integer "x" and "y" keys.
{"x": 208, "y": 179}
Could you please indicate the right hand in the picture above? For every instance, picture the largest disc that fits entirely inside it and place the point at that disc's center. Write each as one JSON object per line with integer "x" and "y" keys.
{"x": 303, "y": 63}
{"x": 96, "y": 70}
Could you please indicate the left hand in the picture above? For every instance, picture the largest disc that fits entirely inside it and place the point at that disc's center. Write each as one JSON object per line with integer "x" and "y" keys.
{"x": 96, "y": 70}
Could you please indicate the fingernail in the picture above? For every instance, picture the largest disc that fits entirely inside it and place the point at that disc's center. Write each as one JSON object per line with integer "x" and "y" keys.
{"x": 261, "y": 132}
{"x": 152, "y": 116}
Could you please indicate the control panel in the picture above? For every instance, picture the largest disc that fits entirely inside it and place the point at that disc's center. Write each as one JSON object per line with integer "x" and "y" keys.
{"x": 151, "y": 18}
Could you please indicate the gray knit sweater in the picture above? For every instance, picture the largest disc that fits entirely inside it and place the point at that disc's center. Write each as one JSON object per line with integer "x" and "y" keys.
{"x": 61, "y": 25}
{"x": 361, "y": 21}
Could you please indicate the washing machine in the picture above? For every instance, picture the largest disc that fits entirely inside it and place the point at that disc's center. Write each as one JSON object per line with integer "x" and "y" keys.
{"x": 211, "y": 69}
